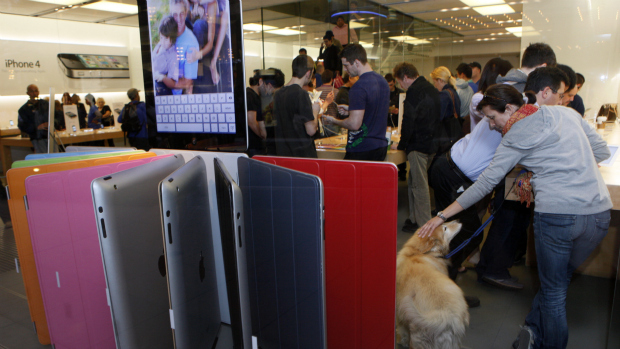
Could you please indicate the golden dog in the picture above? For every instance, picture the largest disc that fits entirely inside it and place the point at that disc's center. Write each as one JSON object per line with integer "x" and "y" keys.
{"x": 430, "y": 308}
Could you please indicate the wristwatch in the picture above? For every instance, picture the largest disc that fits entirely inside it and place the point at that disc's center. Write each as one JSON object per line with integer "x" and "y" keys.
{"x": 440, "y": 215}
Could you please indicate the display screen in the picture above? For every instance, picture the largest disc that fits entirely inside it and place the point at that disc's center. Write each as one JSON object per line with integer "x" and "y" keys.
{"x": 105, "y": 62}
{"x": 192, "y": 63}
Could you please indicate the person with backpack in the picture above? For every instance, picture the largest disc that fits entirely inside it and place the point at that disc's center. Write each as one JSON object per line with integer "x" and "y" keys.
{"x": 134, "y": 120}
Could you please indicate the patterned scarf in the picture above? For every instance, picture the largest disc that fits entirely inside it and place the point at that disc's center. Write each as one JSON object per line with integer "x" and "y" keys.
{"x": 523, "y": 112}
{"x": 523, "y": 188}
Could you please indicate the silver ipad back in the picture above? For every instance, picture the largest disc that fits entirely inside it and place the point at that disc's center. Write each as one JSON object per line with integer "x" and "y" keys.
{"x": 130, "y": 235}
{"x": 230, "y": 161}
{"x": 232, "y": 232}
{"x": 188, "y": 242}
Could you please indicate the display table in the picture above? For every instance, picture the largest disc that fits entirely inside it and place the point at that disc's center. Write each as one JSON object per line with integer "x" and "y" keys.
{"x": 11, "y": 131}
{"x": 334, "y": 148}
{"x": 63, "y": 136}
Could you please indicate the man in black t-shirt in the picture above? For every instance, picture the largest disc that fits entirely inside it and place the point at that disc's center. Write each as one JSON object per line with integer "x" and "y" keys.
{"x": 256, "y": 123}
{"x": 329, "y": 54}
{"x": 294, "y": 113}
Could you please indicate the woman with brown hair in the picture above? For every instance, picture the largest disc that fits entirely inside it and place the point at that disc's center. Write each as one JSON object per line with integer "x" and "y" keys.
{"x": 573, "y": 204}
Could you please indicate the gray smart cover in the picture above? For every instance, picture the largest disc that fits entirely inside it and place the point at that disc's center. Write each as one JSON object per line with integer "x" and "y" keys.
{"x": 192, "y": 283}
{"x": 230, "y": 211}
{"x": 130, "y": 235}
{"x": 285, "y": 255}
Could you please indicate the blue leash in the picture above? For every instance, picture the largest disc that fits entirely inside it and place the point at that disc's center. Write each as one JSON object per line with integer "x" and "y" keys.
{"x": 481, "y": 229}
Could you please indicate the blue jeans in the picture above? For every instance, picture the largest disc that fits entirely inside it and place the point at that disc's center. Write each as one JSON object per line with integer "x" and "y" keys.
{"x": 563, "y": 242}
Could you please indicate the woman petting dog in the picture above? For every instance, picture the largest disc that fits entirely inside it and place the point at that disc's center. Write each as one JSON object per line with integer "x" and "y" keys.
{"x": 573, "y": 205}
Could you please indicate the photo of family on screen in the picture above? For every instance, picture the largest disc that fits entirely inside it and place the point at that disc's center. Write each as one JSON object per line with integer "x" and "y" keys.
{"x": 191, "y": 51}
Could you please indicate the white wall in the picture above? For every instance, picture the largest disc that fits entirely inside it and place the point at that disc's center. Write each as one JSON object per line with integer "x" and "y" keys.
{"x": 40, "y": 39}
{"x": 585, "y": 35}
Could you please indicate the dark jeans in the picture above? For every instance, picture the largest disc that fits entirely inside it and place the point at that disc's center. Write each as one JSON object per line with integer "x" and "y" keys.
{"x": 563, "y": 242}
{"x": 446, "y": 184}
{"x": 204, "y": 83}
{"x": 508, "y": 231}
{"x": 371, "y": 155}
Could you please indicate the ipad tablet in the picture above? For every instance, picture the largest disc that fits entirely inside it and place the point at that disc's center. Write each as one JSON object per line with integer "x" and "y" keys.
{"x": 232, "y": 232}
{"x": 361, "y": 216}
{"x": 129, "y": 225}
{"x": 230, "y": 161}
{"x": 285, "y": 254}
{"x": 190, "y": 263}
{"x": 68, "y": 257}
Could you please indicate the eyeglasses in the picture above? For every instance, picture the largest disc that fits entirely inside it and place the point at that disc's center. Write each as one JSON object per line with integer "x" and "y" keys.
{"x": 493, "y": 97}
{"x": 556, "y": 91}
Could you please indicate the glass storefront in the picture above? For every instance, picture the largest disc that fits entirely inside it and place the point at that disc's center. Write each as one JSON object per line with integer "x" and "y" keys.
{"x": 274, "y": 34}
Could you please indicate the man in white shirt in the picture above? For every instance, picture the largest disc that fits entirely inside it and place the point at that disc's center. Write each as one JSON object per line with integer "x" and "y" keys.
{"x": 341, "y": 32}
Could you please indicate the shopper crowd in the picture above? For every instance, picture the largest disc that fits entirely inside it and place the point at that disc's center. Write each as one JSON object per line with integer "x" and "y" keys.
{"x": 462, "y": 133}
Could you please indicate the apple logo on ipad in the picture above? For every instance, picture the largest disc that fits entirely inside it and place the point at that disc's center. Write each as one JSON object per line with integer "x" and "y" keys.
{"x": 162, "y": 265}
{"x": 201, "y": 267}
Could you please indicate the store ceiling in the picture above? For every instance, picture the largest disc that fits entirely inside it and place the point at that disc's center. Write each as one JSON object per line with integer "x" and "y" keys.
{"x": 454, "y": 15}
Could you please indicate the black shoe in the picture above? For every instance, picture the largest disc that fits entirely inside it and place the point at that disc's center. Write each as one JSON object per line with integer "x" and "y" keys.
{"x": 472, "y": 301}
{"x": 409, "y": 226}
{"x": 525, "y": 340}
{"x": 507, "y": 284}
{"x": 402, "y": 176}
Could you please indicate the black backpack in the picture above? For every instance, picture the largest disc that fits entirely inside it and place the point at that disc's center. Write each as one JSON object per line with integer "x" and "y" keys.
{"x": 130, "y": 121}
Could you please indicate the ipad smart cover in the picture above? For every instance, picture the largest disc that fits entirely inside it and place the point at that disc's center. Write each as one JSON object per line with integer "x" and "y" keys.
{"x": 62, "y": 155}
{"x": 284, "y": 235}
{"x": 230, "y": 210}
{"x": 67, "y": 255}
{"x": 130, "y": 235}
{"x": 230, "y": 161}
{"x": 190, "y": 262}
{"x": 361, "y": 200}
{"x": 16, "y": 190}
{"x": 48, "y": 161}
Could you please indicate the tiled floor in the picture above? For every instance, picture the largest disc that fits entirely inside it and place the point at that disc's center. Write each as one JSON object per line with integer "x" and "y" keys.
{"x": 493, "y": 325}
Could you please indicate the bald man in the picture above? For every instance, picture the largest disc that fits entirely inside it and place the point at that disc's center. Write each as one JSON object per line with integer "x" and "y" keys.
{"x": 32, "y": 119}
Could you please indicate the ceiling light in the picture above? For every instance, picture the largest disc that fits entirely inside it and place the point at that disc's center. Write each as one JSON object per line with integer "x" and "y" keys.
{"x": 257, "y": 27}
{"x": 409, "y": 40}
{"x": 285, "y": 32}
{"x": 60, "y": 2}
{"x": 494, "y": 10}
{"x": 354, "y": 25}
{"x": 473, "y": 3}
{"x": 522, "y": 31}
{"x": 112, "y": 7}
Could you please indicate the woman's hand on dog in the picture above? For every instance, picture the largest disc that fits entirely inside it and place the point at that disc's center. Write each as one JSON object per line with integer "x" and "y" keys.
{"x": 430, "y": 226}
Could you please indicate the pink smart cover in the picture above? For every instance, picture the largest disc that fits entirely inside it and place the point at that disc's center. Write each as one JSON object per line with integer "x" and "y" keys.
{"x": 67, "y": 255}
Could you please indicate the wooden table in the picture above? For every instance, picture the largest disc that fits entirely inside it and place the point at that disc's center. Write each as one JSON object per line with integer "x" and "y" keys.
{"x": 11, "y": 131}
{"x": 333, "y": 148}
{"x": 65, "y": 137}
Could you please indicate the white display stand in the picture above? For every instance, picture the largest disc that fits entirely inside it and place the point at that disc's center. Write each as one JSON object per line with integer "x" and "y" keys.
{"x": 72, "y": 121}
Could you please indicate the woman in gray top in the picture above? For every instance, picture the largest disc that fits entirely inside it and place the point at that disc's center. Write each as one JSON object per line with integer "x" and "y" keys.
{"x": 571, "y": 216}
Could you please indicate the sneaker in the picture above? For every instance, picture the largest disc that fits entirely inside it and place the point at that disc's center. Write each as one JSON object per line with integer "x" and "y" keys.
{"x": 507, "y": 284}
{"x": 525, "y": 339}
{"x": 409, "y": 226}
{"x": 472, "y": 301}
